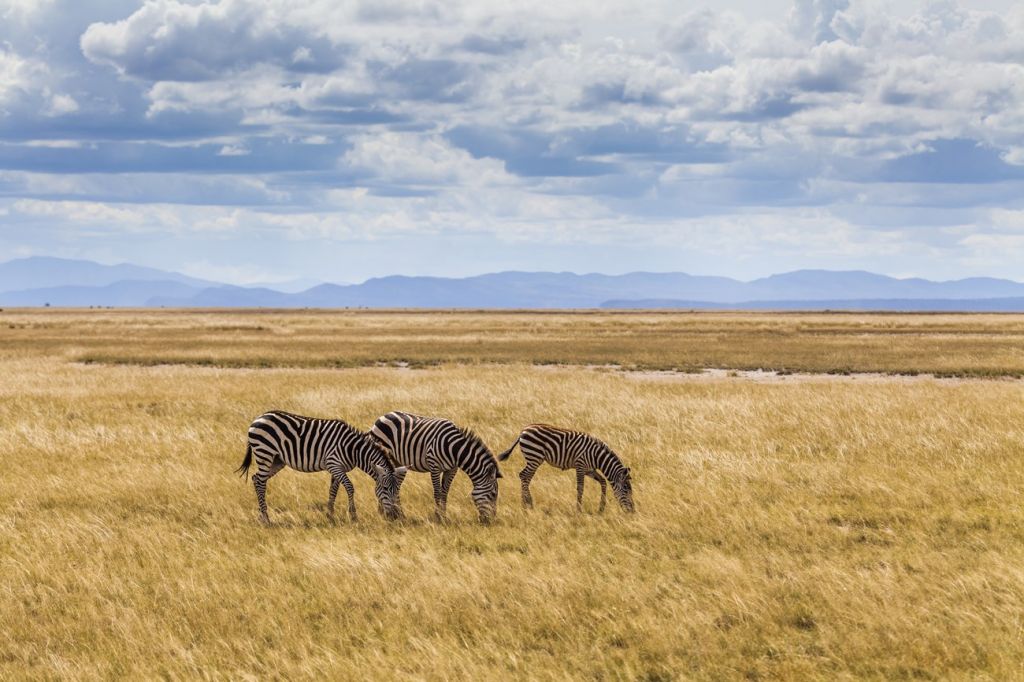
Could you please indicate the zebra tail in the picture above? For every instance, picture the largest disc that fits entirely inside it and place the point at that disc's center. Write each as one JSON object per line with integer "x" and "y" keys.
{"x": 505, "y": 455}
{"x": 244, "y": 469}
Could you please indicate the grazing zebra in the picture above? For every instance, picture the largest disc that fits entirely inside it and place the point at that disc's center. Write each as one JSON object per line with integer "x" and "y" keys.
{"x": 440, "y": 447}
{"x": 279, "y": 439}
{"x": 568, "y": 449}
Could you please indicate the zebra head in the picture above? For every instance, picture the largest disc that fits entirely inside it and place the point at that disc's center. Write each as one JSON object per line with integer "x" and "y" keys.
{"x": 388, "y": 484}
{"x": 477, "y": 460}
{"x": 485, "y": 492}
{"x": 622, "y": 487}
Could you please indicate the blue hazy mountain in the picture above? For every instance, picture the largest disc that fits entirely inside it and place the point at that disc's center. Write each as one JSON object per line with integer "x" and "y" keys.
{"x": 39, "y": 271}
{"x": 498, "y": 290}
{"x": 826, "y": 284}
{"x": 126, "y": 293}
{"x": 61, "y": 282}
{"x": 568, "y": 290}
{"x": 226, "y": 296}
{"x": 38, "y": 281}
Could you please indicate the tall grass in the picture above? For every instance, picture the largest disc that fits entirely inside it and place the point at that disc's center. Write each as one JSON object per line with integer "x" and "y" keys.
{"x": 796, "y": 530}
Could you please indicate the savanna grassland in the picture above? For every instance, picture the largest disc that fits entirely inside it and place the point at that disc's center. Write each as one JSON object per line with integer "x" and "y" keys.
{"x": 946, "y": 345}
{"x": 804, "y": 526}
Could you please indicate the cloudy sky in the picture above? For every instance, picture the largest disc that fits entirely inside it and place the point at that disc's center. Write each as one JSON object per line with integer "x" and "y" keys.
{"x": 263, "y": 141}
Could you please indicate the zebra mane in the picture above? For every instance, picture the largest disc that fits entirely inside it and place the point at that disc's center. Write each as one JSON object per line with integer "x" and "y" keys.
{"x": 376, "y": 447}
{"x": 471, "y": 436}
{"x": 616, "y": 460}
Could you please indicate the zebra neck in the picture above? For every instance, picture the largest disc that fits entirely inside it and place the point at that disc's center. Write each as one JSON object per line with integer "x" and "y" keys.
{"x": 362, "y": 461}
{"x": 610, "y": 465}
{"x": 367, "y": 458}
{"x": 477, "y": 475}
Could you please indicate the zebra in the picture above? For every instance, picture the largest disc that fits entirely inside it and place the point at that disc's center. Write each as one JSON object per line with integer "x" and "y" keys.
{"x": 567, "y": 449}
{"x": 438, "y": 446}
{"x": 278, "y": 439}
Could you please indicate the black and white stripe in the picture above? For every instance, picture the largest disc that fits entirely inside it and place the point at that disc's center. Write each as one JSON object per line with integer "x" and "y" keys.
{"x": 441, "y": 448}
{"x": 567, "y": 449}
{"x": 279, "y": 439}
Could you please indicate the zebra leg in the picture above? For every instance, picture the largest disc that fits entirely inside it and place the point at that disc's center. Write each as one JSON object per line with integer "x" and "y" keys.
{"x": 435, "y": 481}
{"x": 600, "y": 479}
{"x": 446, "y": 484}
{"x": 259, "y": 481}
{"x": 579, "y": 489}
{"x": 335, "y": 482}
{"x": 351, "y": 492}
{"x": 526, "y": 475}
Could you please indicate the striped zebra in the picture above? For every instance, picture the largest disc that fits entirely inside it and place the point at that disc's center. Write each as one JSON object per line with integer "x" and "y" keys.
{"x": 278, "y": 439}
{"x": 567, "y": 449}
{"x": 441, "y": 448}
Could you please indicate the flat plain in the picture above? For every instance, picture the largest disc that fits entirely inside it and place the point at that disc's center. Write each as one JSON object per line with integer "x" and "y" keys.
{"x": 825, "y": 528}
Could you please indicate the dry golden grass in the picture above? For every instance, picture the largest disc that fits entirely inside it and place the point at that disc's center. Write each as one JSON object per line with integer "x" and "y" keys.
{"x": 816, "y": 529}
{"x": 955, "y": 345}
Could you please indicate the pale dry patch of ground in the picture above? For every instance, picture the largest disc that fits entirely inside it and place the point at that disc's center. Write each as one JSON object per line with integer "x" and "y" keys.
{"x": 773, "y": 377}
{"x": 812, "y": 529}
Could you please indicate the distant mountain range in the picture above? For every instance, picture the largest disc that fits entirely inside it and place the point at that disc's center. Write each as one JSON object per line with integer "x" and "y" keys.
{"x": 43, "y": 272}
{"x": 40, "y": 281}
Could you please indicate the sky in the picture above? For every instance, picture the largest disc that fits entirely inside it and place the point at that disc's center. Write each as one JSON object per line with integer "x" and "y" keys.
{"x": 271, "y": 140}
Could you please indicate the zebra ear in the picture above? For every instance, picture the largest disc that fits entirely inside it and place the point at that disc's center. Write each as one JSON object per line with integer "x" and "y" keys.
{"x": 498, "y": 474}
{"x": 400, "y": 473}
{"x": 381, "y": 471}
